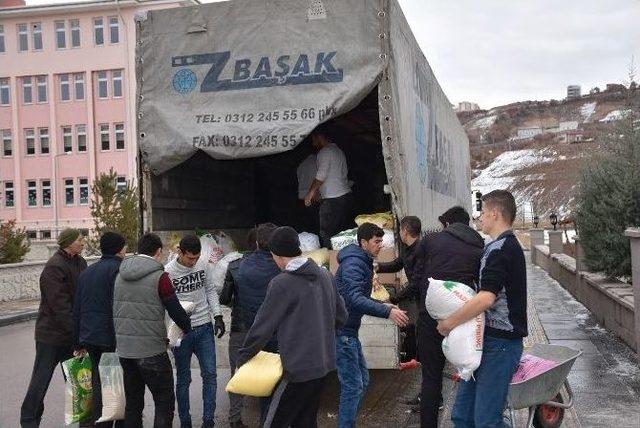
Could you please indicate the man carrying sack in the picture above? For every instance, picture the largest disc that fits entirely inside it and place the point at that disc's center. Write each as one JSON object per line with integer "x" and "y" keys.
{"x": 304, "y": 308}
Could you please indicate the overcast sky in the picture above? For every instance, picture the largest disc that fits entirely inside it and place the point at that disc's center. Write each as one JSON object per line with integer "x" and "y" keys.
{"x": 494, "y": 52}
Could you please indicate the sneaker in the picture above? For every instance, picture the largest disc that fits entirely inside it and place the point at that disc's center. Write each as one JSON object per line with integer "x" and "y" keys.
{"x": 237, "y": 424}
{"x": 413, "y": 402}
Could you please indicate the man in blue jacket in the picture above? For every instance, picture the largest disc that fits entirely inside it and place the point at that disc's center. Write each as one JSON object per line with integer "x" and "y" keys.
{"x": 93, "y": 312}
{"x": 354, "y": 281}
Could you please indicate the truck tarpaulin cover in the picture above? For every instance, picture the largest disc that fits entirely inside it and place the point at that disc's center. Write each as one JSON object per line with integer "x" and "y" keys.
{"x": 248, "y": 78}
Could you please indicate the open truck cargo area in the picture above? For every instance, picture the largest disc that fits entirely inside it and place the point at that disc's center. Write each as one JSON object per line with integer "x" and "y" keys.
{"x": 229, "y": 93}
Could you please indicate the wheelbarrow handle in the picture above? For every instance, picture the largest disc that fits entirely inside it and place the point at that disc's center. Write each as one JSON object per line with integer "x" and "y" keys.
{"x": 566, "y": 405}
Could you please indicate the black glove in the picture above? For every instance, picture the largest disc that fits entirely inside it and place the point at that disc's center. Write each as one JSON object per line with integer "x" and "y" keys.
{"x": 218, "y": 326}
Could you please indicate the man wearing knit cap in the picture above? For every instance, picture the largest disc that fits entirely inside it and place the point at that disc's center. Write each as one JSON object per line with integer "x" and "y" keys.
{"x": 93, "y": 312}
{"x": 303, "y": 309}
{"x": 54, "y": 327}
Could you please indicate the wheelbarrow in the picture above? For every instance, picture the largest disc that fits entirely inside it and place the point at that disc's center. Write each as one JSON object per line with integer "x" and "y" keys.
{"x": 542, "y": 394}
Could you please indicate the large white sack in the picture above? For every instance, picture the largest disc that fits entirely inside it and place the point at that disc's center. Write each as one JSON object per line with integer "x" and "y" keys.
{"x": 309, "y": 242}
{"x": 218, "y": 271}
{"x": 463, "y": 346}
{"x": 389, "y": 239}
{"x": 175, "y": 333}
{"x": 112, "y": 387}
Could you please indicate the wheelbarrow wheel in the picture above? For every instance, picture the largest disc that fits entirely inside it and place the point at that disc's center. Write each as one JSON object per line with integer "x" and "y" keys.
{"x": 547, "y": 416}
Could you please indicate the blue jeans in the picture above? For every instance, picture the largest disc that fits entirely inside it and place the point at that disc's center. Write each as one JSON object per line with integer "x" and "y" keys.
{"x": 481, "y": 402}
{"x": 354, "y": 379}
{"x": 199, "y": 341}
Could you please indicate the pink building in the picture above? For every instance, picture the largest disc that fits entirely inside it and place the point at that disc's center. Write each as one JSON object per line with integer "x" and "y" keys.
{"x": 67, "y": 107}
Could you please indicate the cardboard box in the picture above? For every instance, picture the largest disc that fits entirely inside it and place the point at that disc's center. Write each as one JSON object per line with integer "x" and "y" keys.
{"x": 386, "y": 255}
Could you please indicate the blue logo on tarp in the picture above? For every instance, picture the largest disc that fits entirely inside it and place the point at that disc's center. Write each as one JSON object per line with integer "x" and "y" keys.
{"x": 421, "y": 144}
{"x": 184, "y": 81}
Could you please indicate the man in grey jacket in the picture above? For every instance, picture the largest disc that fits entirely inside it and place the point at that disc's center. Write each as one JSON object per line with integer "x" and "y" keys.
{"x": 304, "y": 309}
{"x": 190, "y": 275}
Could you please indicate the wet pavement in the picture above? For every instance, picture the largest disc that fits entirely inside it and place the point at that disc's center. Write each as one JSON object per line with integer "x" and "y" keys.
{"x": 605, "y": 379}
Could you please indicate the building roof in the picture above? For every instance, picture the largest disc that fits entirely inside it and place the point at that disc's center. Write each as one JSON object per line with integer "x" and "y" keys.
{"x": 81, "y": 6}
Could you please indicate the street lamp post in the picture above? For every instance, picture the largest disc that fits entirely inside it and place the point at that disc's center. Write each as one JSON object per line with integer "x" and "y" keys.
{"x": 553, "y": 219}
{"x": 536, "y": 221}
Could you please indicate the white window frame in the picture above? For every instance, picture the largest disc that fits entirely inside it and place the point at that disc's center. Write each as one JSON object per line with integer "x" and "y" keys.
{"x": 44, "y": 187}
{"x": 23, "y": 34}
{"x": 119, "y": 130}
{"x": 27, "y": 84}
{"x": 41, "y": 81}
{"x": 69, "y": 186}
{"x": 82, "y": 186}
{"x": 5, "y": 88}
{"x": 105, "y": 129}
{"x": 3, "y": 48}
{"x": 116, "y": 76}
{"x": 36, "y": 30}
{"x": 102, "y": 78}
{"x": 33, "y": 188}
{"x": 42, "y": 232}
{"x": 43, "y": 133}
{"x": 78, "y": 79}
{"x": 8, "y": 187}
{"x": 60, "y": 29}
{"x": 114, "y": 25}
{"x": 63, "y": 80}
{"x": 7, "y": 137}
{"x": 121, "y": 183}
{"x": 66, "y": 134}
{"x": 98, "y": 27}
{"x": 81, "y": 131}
{"x": 29, "y": 137}
{"x": 74, "y": 27}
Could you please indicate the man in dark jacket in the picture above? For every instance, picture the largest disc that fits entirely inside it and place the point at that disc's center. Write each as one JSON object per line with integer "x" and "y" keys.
{"x": 454, "y": 255}
{"x": 143, "y": 292}
{"x": 354, "y": 281}
{"x": 303, "y": 308}
{"x": 93, "y": 313}
{"x": 54, "y": 326}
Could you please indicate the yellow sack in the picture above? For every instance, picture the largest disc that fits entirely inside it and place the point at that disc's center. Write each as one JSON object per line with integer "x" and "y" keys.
{"x": 321, "y": 256}
{"x": 258, "y": 377}
{"x": 378, "y": 291}
{"x": 384, "y": 220}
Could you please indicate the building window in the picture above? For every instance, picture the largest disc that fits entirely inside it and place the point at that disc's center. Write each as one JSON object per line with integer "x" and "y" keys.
{"x": 68, "y": 191}
{"x": 30, "y": 139}
{"x": 8, "y": 194}
{"x": 2, "y": 49}
{"x": 81, "y": 135}
{"x": 119, "y": 136}
{"x": 103, "y": 92}
{"x": 67, "y": 139}
{"x": 65, "y": 91}
{"x": 117, "y": 83}
{"x": 45, "y": 234}
{"x": 61, "y": 35}
{"x": 7, "y": 149}
{"x": 5, "y": 98}
{"x": 105, "y": 142}
{"x": 74, "y": 24}
{"x": 27, "y": 94}
{"x": 98, "y": 31}
{"x": 32, "y": 193}
{"x": 44, "y": 140}
{"x": 79, "y": 83}
{"x": 121, "y": 184}
{"x": 46, "y": 193}
{"x": 114, "y": 30}
{"x": 23, "y": 38}
{"x": 36, "y": 34}
{"x": 42, "y": 89}
{"x": 32, "y": 234}
{"x": 84, "y": 191}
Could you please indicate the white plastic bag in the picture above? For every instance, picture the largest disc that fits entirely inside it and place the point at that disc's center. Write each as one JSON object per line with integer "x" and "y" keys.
{"x": 112, "y": 387}
{"x": 309, "y": 242}
{"x": 211, "y": 251}
{"x": 218, "y": 271}
{"x": 344, "y": 238}
{"x": 175, "y": 333}
{"x": 463, "y": 346}
{"x": 389, "y": 239}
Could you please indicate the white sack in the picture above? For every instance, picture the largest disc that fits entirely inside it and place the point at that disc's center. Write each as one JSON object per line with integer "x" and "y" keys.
{"x": 309, "y": 242}
{"x": 112, "y": 387}
{"x": 175, "y": 333}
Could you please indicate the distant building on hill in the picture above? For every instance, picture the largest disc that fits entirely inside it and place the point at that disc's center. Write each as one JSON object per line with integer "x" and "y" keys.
{"x": 466, "y": 106}
{"x": 615, "y": 87}
{"x": 530, "y": 132}
{"x": 573, "y": 92}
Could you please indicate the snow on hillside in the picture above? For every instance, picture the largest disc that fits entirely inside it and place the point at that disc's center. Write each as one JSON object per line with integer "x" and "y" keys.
{"x": 501, "y": 174}
{"x": 485, "y": 122}
{"x": 614, "y": 115}
{"x": 587, "y": 110}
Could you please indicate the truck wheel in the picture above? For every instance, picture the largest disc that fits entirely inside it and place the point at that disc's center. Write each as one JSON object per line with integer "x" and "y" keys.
{"x": 548, "y": 416}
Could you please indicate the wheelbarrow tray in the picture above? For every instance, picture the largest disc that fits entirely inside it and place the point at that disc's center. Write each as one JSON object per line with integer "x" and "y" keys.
{"x": 545, "y": 386}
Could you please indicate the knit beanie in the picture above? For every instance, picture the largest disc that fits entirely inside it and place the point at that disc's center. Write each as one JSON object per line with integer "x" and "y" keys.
{"x": 284, "y": 242}
{"x": 67, "y": 237}
{"x": 111, "y": 243}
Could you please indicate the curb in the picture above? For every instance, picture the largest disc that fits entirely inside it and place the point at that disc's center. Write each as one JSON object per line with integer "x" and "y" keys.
{"x": 19, "y": 317}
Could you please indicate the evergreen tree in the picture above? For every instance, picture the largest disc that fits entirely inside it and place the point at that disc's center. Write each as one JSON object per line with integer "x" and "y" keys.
{"x": 609, "y": 201}
{"x": 115, "y": 210}
{"x": 14, "y": 244}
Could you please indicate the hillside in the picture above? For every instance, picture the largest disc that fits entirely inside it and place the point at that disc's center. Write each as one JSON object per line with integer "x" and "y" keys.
{"x": 537, "y": 149}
